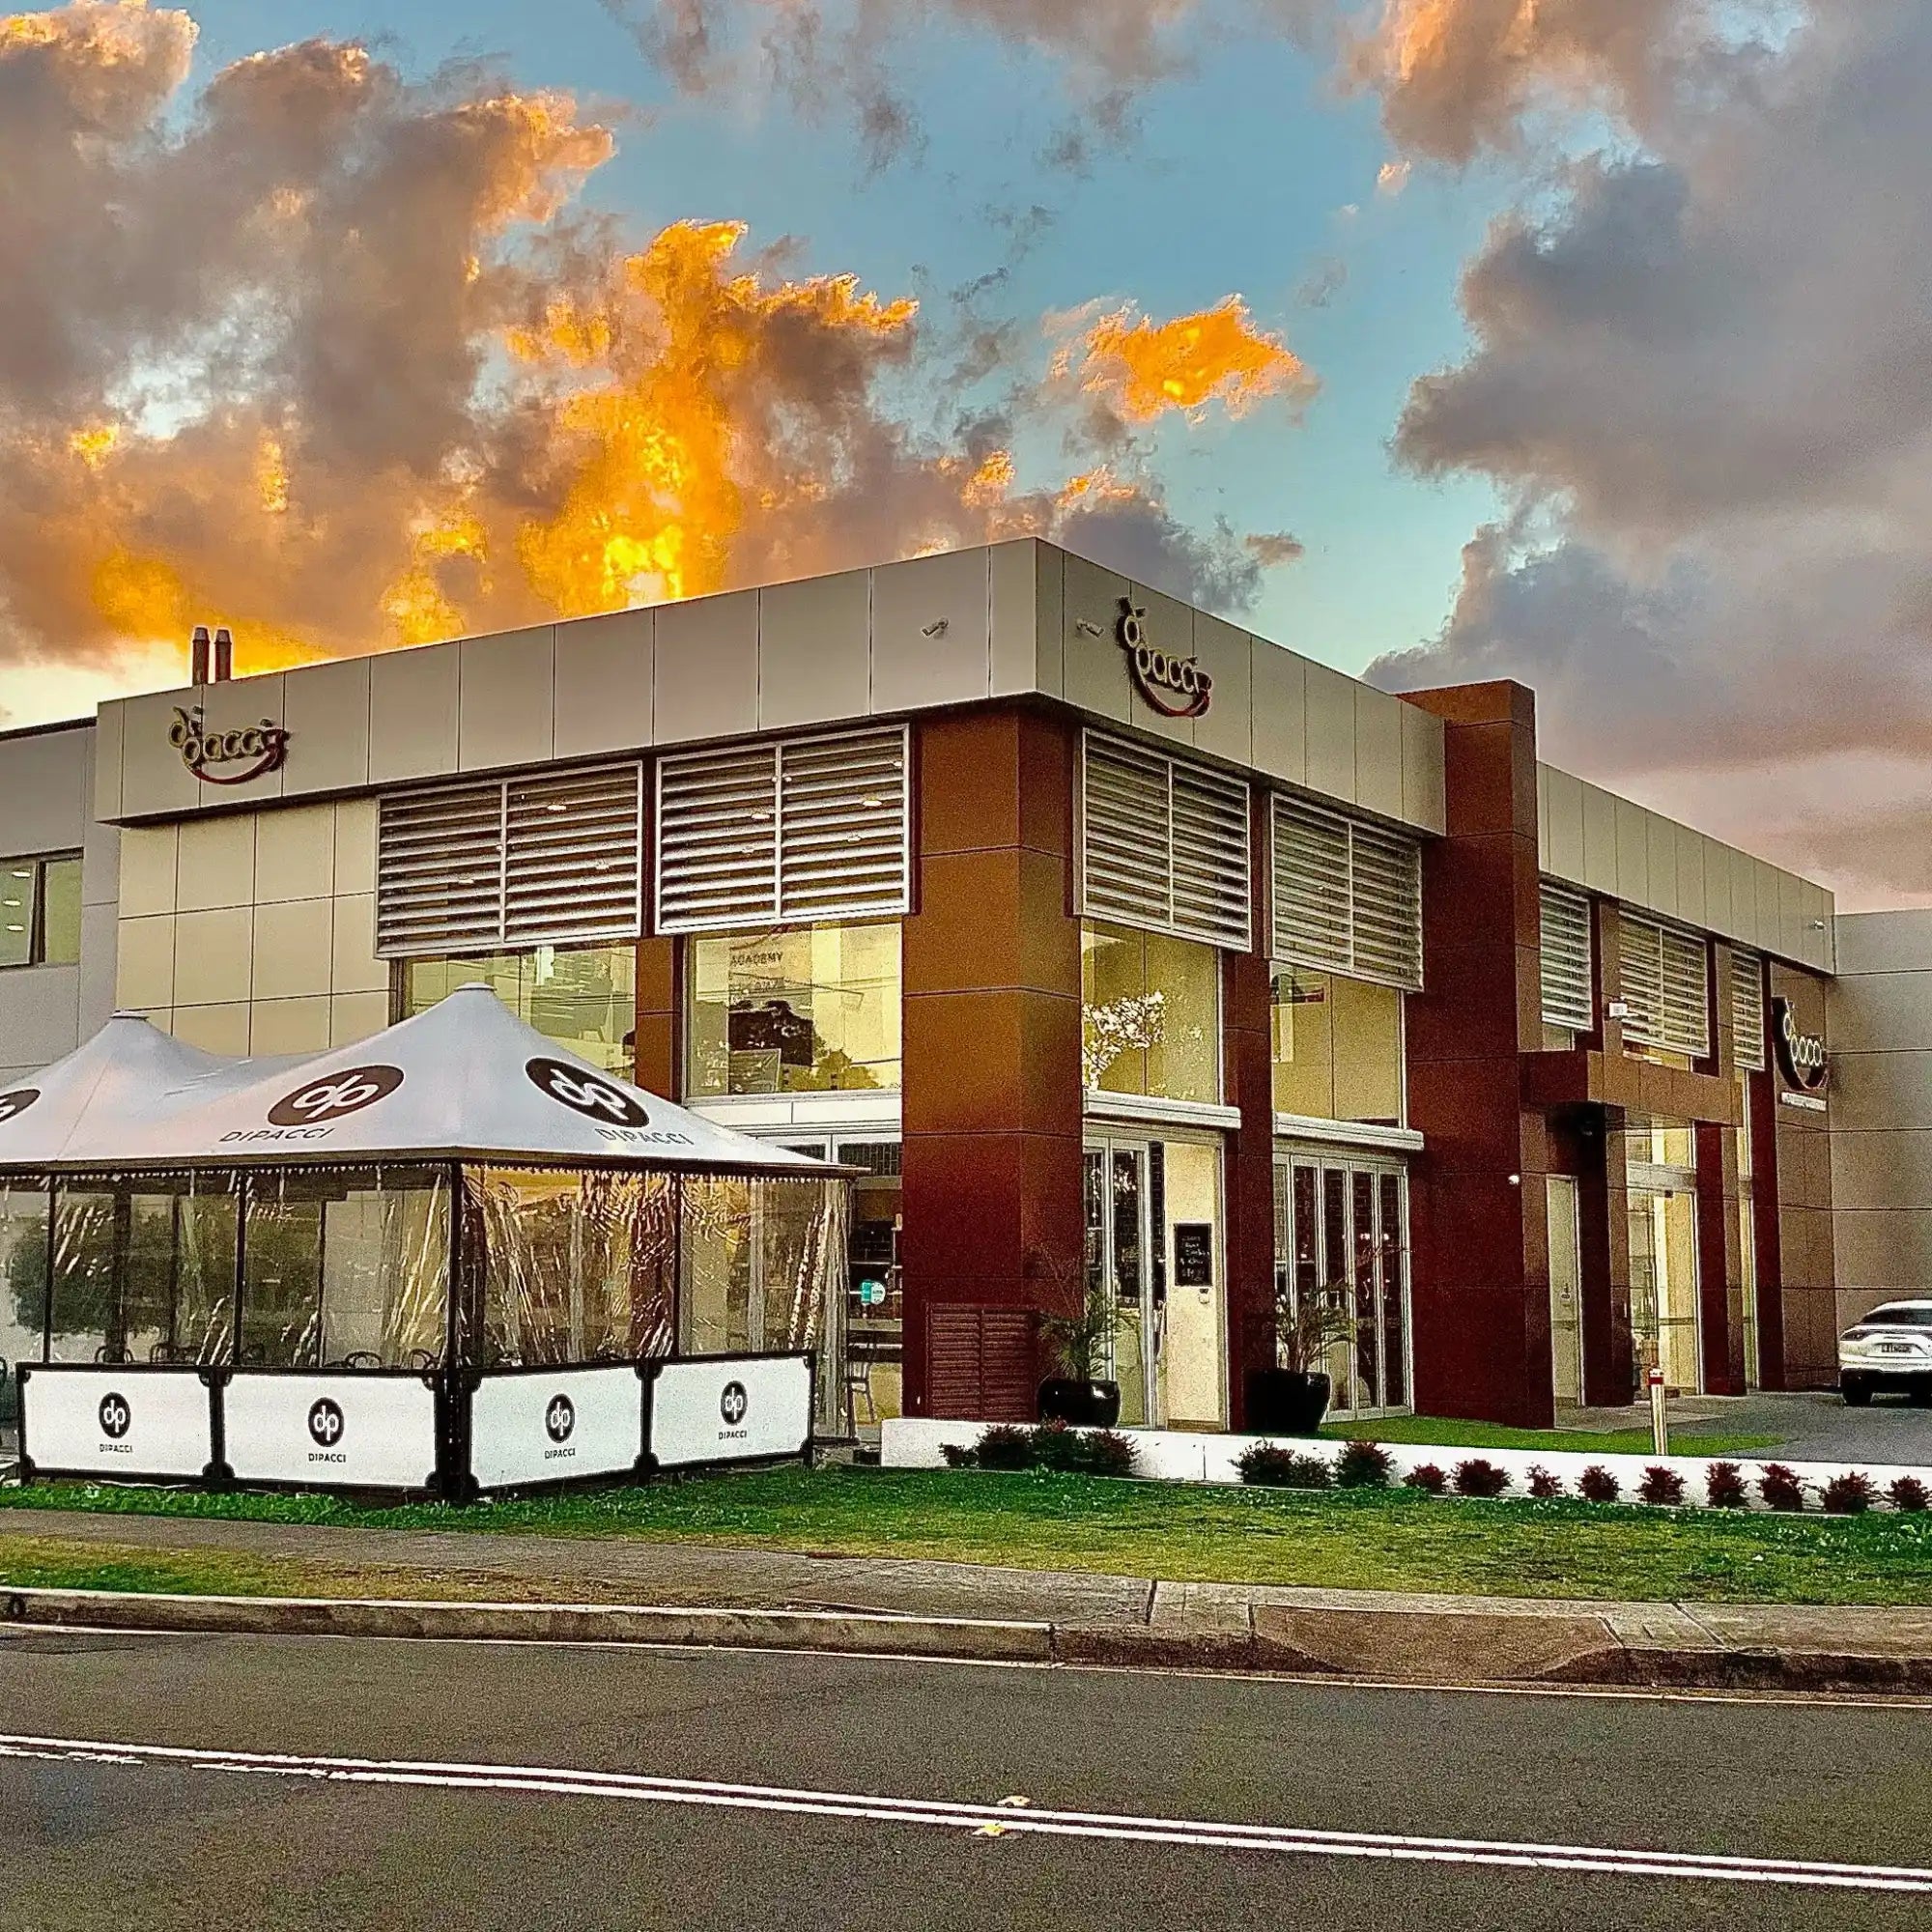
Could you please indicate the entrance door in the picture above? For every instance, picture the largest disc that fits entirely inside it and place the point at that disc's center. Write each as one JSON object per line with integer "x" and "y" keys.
{"x": 1344, "y": 1226}
{"x": 1122, "y": 1177}
{"x": 1566, "y": 1292}
{"x": 1663, "y": 1284}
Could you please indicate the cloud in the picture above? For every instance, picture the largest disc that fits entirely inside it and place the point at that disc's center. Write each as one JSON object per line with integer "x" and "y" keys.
{"x": 1143, "y": 370}
{"x": 1704, "y": 383}
{"x": 339, "y": 359}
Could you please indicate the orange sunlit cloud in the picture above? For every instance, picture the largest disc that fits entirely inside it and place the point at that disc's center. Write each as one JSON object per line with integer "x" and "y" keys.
{"x": 1145, "y": 369}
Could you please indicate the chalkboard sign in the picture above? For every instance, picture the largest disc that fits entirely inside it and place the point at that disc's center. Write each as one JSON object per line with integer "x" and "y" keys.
{"x": 1194, "y": 1254}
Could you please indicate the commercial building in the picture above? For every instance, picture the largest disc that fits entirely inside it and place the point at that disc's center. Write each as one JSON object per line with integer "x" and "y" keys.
{"x": 1109, "y": 941}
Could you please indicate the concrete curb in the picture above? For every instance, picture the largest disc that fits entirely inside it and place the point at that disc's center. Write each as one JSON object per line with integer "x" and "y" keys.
{"x": 1451, "y": 1649}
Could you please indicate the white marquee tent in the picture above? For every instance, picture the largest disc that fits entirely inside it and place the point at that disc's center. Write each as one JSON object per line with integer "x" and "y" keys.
{"x": 394, "y": 1244}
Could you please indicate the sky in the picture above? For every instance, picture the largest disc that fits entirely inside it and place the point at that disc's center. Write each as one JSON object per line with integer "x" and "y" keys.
{"x": 1587, "y": 342}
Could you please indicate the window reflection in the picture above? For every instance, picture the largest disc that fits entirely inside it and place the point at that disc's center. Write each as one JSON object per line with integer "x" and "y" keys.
{"x": 1150, "y": 1014}
{"x": 584, "y": 998}
{"x": 1337, "y": 1048}
{"x": 807, "y": 1010}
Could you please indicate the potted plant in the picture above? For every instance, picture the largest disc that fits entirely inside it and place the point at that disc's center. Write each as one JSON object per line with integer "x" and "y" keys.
{"x": 1292, "y": 1398}
{"x": 1079, "y": 1343}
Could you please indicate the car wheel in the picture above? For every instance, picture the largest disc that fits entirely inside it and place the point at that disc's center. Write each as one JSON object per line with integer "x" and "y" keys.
{"x": 1922, "y": 1395}
{"x": 1856, "y": 1391}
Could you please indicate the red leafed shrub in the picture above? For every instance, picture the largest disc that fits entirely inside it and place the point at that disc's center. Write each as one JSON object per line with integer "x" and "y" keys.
{"x": 1661, "y": 1484}
{"x": 1363, "y": 1466}
{"x": 1597, "y": 1485}
{"x": 1908, "y": 1493}
{"x": 1725, "y": 1487}
{"x": 1849, "y": 1494}
{"x": 1480, "y": 1478}
{"x": 1271, "y": 1467}
{"x": 1542, "y": 1483}
{"x": 1779, "y": 1488}
{"x": 1427, "y": 1477}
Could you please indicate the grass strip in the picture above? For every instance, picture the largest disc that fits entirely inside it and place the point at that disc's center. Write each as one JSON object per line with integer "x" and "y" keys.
{"x": 1375, "y": 1540}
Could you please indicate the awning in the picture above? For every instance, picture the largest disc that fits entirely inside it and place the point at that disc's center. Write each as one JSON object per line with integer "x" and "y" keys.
{"x": 466, "y": 1081}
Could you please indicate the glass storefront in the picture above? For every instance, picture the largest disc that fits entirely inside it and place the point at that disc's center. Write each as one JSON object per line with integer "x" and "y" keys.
{"x": 1337, "y": 1048}
{"x": 1153, "y": 1243}
{"x": 1747, "y": 1234}
{"x": 1341, "y": 1225}
{"x": 1149, "y": 1015}
{"x": 810, "y": 1009}
{"x": 582, "y": 997}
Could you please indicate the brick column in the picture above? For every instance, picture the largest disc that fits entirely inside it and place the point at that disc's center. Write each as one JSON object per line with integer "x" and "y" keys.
{"x": 1481, "y": 1274}
{"x": 1609, "y": 1355}
{"x": 992, "y": 1060}
{"x": 659, "y": 1032}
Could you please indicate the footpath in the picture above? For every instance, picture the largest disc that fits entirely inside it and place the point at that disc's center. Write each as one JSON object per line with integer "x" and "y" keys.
{"x": 451, "y": 1585}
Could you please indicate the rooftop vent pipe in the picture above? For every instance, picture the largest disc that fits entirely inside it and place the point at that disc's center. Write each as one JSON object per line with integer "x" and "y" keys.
{"x": 197, "y": 655}
{"x": 224, "y": 654}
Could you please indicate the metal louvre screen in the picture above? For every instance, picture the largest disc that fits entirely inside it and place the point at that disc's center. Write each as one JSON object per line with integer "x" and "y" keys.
{"x": 1747, "y": 1010}
{"x": 1665, "y": 979}
{"x": 1348, "y": 896}
{"x": 550, "y": 860}
{"x": 786, "y": 833}
{"x": 1164, "y": 844}
{"x": 1567, "y": 995}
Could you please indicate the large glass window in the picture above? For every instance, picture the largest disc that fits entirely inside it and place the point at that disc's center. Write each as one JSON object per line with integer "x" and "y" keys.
{"x": 808, "y": 1009}
{"x": 582, "y": 997}
{"x": 764, "y": 1263}
{"x": 23, "y": 1282}
{"x": 1150, "y": 1014}
{"x": 39, "y": 911}
{"x": 1337, "y": 1047}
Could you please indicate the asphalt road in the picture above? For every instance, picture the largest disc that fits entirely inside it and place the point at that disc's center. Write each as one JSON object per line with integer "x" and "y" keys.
{"x": 528, "y": 1787}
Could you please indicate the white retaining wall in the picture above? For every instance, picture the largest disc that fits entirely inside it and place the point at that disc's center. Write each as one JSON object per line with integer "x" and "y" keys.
{"x": 1172, "y": 1455}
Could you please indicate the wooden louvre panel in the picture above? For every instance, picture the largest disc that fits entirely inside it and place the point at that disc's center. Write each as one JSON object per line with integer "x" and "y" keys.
{"x": 1665, "y": 979}
{"x": 1348, "y": 896}
{"x": 1747, "y": 1010}
{"x": 979, "y": 1362}
{"x": 785, "y": 832}
{"x": 552, "y": 860}
{"x": 1567, "y": 997}
{"x": 1164, "y": 844}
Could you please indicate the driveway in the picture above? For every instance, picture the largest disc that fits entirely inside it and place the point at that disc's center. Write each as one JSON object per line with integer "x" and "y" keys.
{"x": 1809, "y": 1426}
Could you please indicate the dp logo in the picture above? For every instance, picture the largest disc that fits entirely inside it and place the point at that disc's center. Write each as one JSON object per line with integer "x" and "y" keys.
{"x": 560, "y": 1418}
{"x": 733, "y": 1403}
{"x": 17, "y": 1101}
{"x": 585, "y": 1093}
{"x": 335, "y": 1095}
{"x": 116, "y": 1417}
{"x": 324, "y": 1424}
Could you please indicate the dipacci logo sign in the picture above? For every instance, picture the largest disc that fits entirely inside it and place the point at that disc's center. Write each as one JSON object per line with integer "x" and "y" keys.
{"x": 257, "y": 749}
{"x": 326, "y": 1426}
{"x": 1800, "y": 1056}
{"x": 17, "y": 1101}
{"x": 1175, "y": 687}
{"x": 117, "y": 1417}
{"x": 585, "y": 1093}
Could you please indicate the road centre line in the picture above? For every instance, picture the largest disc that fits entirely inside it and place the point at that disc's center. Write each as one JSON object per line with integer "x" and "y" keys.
{"x": 969, "y": 1817}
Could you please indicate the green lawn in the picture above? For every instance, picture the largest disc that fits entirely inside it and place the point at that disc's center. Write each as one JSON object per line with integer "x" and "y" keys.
{"x": 1393, "y": 1539}
{"x": 1454, "y": 1435}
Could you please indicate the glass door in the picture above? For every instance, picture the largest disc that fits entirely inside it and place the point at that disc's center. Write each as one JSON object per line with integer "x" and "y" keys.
{"x": 1122, "y": 1180}
{"x": 1663, "y": 1285}
{"x": 1566, "y": 1291}
{"x": 1342, "y": 1227}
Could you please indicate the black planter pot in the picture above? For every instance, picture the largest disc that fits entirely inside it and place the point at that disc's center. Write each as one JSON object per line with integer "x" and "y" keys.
{"x": 1285, "y": 1402}
{"x": 1080, "y": 1405}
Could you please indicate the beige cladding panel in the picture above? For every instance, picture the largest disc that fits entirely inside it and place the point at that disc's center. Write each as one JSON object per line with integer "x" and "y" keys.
{"x": 413, "y": 699}
{"x": 1887, "y": 1249}
{"x": 356, "y": 824}
{"x": 148, "y": 855}
{"x": 292, "y": 949}
{"x": 1331, "y": 732}
{"x": 145, "y": 962}
{"x": 1170, "y": 629}
{"x": 1280, "y": 684}
{"x": 216, "y": 1029}
{"x": 1883, "y": 1169}
{"x": 327, "y": 718}
{"x": 1660, "y": 865}
{"x": 1600, "y": 841}
{"x": 154, "y": 779}
{"x": 1561, "y": 832}
{"x": 707, "y": 668}
{"x": 1877, "y": 1012}
{"x": 295, "y": 853}
{"x": 289, "y": 1025}
{"x": 1891, "y": 1089}
{"x": 354, "y": 1016}
{"x": 237, "y": 705}
{"x": 1025, "y": 590}
{"x": 1094, "y": 673}
{"x": 216, "y": 863}
{"x": 1225, "y": 729}
{"x": 504, "y": 699}
{"x": 107, "y": 729}
{"x": 932, "y": 628}
{"x": 605, "y": 669}
{"x": 214, "y": 957}
{"x": 815, "y": 651}
{"x": 353, "y": 967}
{"x": 1423, "y": 778}
{"x": 1378, "y": 751}
{"x": 1885, "y": 942}
{"x": 1692, "y": 898}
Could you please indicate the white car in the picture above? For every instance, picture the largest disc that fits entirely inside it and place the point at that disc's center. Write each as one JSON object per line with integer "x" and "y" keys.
{"x": 1890, "y": 1348}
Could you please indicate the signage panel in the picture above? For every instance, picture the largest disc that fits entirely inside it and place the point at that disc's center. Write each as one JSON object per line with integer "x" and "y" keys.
{"x": 113, "y": 1421}
{"x": 1800, "y": 1056}
{"x": 730, "y": 1409}
{"x": 534, "y": 1426}
{"x": 355, "y": 1432}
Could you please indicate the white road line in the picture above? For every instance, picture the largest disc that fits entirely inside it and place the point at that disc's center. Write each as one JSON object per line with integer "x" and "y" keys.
{"x": 965, "y": 1816}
